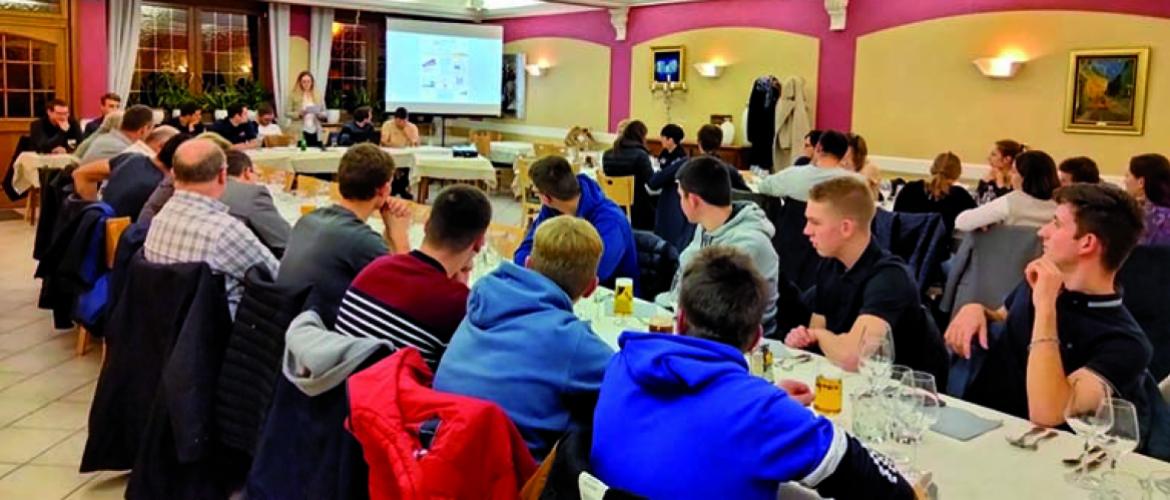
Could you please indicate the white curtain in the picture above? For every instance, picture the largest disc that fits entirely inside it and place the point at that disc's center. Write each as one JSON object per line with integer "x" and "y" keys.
{"x": 123, "y": 22}
{"x": 320, "y": 46}
{"x": 278, "y": 37}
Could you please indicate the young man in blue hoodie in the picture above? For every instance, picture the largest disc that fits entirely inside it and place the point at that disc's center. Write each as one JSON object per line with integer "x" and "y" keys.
{"x": 680, "y": 416}
{"x": 563, "y": 193}
{"x": 522, "y": 347}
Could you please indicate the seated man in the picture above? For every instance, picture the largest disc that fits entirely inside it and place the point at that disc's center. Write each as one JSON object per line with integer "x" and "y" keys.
{"x": 56, "y": 132}
{"x": 522, "y": 347}
{"x": 563, "y": 193}
{"x": 130, "y": 176}
{"x": 1065, "y": 328}
{"x": 266, "y": 121}
{"x": 680, "y": 416}
{"x": 111, "y": 102}
{"x": 194, "y": 226}
{"x": 190, "y": 119}
{"x": 1078, "y": 169}
{"x": 360, "y": 130}
{"x": 252, "y": 203}
{"x": 417, "y": 299}
{"x": 796, "y": 182}
{"x": 862, "y": 290}
{"x": 809, "y": 150}
{"x": 137, "y": 122}
{"x": 236, "y": 128}
{"x": 704, "y": 191}
{"x": 710, "y": 138}
{"x": 331, "y": 245}
{"x": 398, "y": 132}
{"x": 166, "y": 188}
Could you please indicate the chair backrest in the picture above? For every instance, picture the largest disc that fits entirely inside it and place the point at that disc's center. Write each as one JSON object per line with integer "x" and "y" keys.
{"x": 657, "y": 264}
{"x": 619, "y": 189}
{"x": 115, "y": 226}
{"x": 482, "y": 139}
{"x": 989, "y": 265}
{"x": 505, "y": 239}
{"x": 277, "y": 141}
{"x": 529, "y": 203}
{"x": 1145, "y": 285}
{"x": 543, "y": 150}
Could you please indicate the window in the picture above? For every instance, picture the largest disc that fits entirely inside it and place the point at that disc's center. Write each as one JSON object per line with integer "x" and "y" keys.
{"x": 348, "y": 68}
{"x": 184, "y": 50}
{"x": 34, "y": 6}
{"x": 27, "y": 76}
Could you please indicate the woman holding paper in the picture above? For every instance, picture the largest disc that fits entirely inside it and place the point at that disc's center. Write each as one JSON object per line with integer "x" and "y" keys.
{"x": 306, "y": 110}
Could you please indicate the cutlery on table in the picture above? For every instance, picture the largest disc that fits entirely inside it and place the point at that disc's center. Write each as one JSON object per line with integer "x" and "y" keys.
{"x": 1081, "y": 458}
{"x": 1019, "y": 441}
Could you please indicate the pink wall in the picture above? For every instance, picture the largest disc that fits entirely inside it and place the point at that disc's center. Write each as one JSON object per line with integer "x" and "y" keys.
{"x": 298, "y": 21}
{"x": 838, "y": 49}
{"x": 92, "y": 53}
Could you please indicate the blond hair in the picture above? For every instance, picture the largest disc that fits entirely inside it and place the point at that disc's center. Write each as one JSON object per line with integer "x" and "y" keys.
{"x": 848, "y": 196}
{"x": 566, "y": 250}
{"x": 945, "y": 170}
{"x": 223, "y": 144}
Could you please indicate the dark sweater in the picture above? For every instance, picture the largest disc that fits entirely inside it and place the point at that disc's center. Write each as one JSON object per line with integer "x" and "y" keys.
{"x": 630, "y": 158}
{"x": 914, "y": 198}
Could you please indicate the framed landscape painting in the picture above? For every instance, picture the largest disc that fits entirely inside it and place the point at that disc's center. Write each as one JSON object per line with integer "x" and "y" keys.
{"x": 1107, "y": 91}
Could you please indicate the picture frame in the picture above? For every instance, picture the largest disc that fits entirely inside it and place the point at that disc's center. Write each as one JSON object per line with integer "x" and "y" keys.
{"x": 668, "y": 66}
{"x": 1106, "y": 91}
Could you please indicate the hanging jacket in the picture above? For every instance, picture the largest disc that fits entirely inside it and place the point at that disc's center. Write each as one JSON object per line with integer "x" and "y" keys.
{"x": 304, "y": 451}
{"x": 424, "y": 444}
{"x": 630, "y": 158}
{"x": 73, "y": 268}
{"x": 56, "y": 187}
{"x": 792, "y": 122}
{"x": 252, "y": 362}
{"x": 619, "y": 259}
{"x": 761, "y": 121}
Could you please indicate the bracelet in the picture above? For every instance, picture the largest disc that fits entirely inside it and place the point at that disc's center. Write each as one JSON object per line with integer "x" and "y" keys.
{"x": 1053, "y": 340}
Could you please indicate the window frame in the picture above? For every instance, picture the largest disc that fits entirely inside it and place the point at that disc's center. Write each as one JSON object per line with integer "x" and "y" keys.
{"x": 375, "y": 25}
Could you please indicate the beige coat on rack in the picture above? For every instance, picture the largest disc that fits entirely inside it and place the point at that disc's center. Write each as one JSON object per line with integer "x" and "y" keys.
{"x": 792, "y": 122}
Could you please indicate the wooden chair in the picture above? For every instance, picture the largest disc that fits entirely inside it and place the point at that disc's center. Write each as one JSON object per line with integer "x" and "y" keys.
{"x": 308, "y": 185}
{"x": 115, "y": 226}
{"x": 505, "y": 238}
{"x": 278, "y": 141}
{"x": 529, "y": 202}
{"x": 482, "y": 139}
{"x": 543, "y": 150}
{"x": 620, "y": 190}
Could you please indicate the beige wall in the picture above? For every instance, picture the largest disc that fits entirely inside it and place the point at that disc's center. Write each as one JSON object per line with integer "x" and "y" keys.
{"x": 749, "y": 53}
{"x": 574, "y": 91}
{"x": 917, "y": 93}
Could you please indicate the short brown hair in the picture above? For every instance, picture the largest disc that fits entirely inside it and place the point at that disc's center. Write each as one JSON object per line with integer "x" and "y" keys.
{"x": 364, "y": 168}
{"x": 110, "y": 97}
{"x": 238, "y": 162}
{"x": 710, "y": 137}
{"x": 459, "y": 216}
{"x": 1110, "y": 214}
{"x": 553, "y": 176}
{"x": 722, "y": 297}
{"x": 136, "y": 117}
{"x": 1081, "y": 169}
{"x": 200, "y": 169}
{"x": 566, "y": 250}
{"x": 1009, "y": 148}
{"x": 849, "y": 196}
{"x": 53, "y": 103}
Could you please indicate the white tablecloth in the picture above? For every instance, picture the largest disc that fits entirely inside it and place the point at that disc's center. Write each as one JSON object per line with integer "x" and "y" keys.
{"x": 315, "y": 161}
{"x": 26, "y": 166}
{"x": 507, "y": 151}
{"x": 441, "y": 165}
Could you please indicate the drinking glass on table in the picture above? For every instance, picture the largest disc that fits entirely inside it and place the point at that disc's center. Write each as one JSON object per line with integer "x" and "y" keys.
{"x": 1089, "y": 415}
{"x": 921, "y": 406}
{"x": 1119, "y": 439}
{"x": 875, "y": 355}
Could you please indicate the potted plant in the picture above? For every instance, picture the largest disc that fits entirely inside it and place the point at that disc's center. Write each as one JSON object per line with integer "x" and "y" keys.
{"x": 218, "y": 98}
{"x": 250, "y": 93}
{"x": 333, "y": 103}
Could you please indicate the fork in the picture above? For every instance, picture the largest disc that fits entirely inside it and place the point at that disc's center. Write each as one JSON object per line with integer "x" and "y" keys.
{"x": 1035, "y": 444}
{"x": 1019, "y": 442}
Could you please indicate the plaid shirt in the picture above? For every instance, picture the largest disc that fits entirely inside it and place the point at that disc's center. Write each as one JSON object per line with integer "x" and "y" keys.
{"x": 195, "y": 228}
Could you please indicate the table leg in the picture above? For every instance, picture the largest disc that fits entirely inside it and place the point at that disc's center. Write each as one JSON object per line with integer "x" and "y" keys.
{"x": 423, "y": 190}
{"x": 33, "y": 201}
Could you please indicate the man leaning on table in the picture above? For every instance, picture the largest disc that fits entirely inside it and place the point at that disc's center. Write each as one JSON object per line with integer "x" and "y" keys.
{"x": 862, "y": 290}
{"x": 1065, "y": 328}
{"x": 56, "y": 132}
{"x": 398, "y": 132}
{"x": 680, "y": 416}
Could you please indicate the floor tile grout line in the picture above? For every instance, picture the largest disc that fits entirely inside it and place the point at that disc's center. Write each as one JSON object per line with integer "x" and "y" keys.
{"x": 48, "y": 339}
{"x": 11, "y": 424}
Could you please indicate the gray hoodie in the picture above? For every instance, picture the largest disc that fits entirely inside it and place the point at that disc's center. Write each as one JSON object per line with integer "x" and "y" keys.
{"x": 317, "y": 360}
{"x": 749, "y": 230}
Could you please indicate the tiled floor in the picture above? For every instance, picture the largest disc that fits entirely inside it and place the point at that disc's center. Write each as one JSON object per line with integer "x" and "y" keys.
{"x": 45, "y": 388}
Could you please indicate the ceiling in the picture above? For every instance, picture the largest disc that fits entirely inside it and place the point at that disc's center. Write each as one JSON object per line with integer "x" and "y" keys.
{"x": 478, "y": 9}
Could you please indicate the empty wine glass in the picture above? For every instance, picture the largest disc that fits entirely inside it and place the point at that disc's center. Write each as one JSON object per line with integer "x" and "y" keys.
{"x": 875, "y": 354}
{"x": 1119, "y": 439}
{"x": 922, "y": 404}
{"x": 1089, "y": 412}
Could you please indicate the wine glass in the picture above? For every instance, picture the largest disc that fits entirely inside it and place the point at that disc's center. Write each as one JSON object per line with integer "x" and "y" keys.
{"x": 1120, "y": 438}
{"x": 875, "y": 354}
{"x": 922, "y": 405}
{"x": 1089, "y": 412}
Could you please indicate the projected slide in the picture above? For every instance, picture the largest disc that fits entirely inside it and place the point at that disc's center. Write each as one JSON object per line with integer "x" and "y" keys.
{"x": 443, "y": 68}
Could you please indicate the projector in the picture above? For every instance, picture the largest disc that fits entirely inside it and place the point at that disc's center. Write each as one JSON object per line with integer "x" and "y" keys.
{"x": 464, "y": 152}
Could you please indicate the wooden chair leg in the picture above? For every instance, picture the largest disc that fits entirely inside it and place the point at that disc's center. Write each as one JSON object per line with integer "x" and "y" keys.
{"x": 82, "y": 340}
{"x": 30, "y": 212}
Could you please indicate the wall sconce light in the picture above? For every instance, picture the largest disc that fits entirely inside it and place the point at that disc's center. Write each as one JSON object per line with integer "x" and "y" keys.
{"x": 538, "y": 69}
{"x": 999, "y": 67}
{"x": 710, "y": 69}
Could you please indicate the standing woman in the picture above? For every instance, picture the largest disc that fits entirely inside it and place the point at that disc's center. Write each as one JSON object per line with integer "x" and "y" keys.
{"x": 998, "y": 180}
{"x": 305, "y": 110}
{"x": 1148, "y": 180}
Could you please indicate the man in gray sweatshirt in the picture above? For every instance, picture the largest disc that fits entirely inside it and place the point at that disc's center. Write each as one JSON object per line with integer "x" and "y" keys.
{"x": 704, "y": 189}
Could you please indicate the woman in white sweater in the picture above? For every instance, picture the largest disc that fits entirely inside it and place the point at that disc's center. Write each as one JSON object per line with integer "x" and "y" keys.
{"x": 1034, "y": 179}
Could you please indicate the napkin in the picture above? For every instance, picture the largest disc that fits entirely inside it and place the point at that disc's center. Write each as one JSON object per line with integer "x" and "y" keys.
{"x": 962, "y": 424}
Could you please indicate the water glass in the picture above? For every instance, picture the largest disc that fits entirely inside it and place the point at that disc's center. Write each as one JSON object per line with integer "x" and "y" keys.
{"x": 870, "y": 413}
{"x": 875, "y": 356}
{"x": 1120, "y": 438}
{"x": 1089, "y": 412}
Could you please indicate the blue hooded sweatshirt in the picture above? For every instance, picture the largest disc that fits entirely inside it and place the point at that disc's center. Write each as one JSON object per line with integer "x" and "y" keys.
{"x": 619, "y": 257}
{"x": 680, "y": 417}
{"x": 521, "y": 347}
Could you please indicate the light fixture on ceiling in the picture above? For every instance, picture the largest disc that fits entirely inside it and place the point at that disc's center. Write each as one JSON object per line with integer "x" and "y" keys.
{"x": 710, "y": 69}
{"x": 1001, "y": 67}
{"x": 538, "y": 69}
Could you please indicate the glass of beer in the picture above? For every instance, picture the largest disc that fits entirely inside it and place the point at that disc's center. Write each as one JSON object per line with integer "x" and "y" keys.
{"x": 623, "y": 297}
{"x": 662, "y": 323}
{"x": 307, "y": 207}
